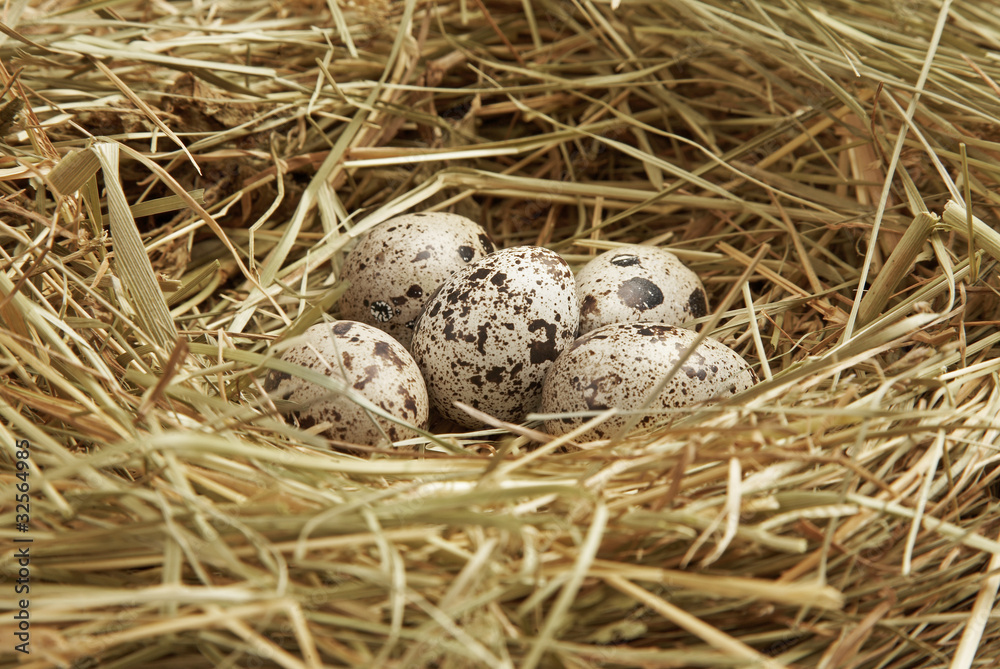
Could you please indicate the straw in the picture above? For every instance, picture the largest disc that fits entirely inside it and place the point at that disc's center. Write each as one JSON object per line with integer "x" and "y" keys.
{"x": 182, "y": 181}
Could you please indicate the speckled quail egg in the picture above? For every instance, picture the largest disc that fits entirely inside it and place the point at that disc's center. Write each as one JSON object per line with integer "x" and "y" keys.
{"x": 636, "y": 283}
{"x": 372, "y": 363}
{"x": 401, "y": 262}
{"x": 490, "y": 333}
{"x": 619, "y": 365}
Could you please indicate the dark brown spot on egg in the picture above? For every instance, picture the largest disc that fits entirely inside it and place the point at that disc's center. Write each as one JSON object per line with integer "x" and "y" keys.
{"x": 551, "y": 263}
{"x": 695, "y": 372}
{"x": 455, "y": 297}
{"x": 478, "y": 275}
{"x": 594, "y": 405}
{"x": 342, "y": 327}
{"x": 274, "y": 379}
{"x": 415, "y": 292}
{"x": 423, "y": 255}
{"x": 533, "y": 389}
{"x": 648, "y": 330}
{"x": 544, "y": 350}
{"x": 697, "y": 303}
{"x": 383, "y": 351}
{"x": 495, "y": 375}
{"x": 639, "y": 293}
{"x": 488, "y": 245}
{"x": 371, "y": 372}
{"x": 303, "y": 422}
{"x": 483, "y": 333}
{"x": 466, "y": 253}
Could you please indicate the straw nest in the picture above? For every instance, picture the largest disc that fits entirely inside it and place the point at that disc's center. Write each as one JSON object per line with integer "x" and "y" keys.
{"x": 181, "y": 181}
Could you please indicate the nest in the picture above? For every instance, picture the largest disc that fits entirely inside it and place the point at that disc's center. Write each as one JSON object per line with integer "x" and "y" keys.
{"x": 180, "y": 182}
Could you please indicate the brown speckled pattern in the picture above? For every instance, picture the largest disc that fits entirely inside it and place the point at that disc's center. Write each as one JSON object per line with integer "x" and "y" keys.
{"x": 492, "y": 330}
{"x": 637, "y": 283}
{"x": 376, "y": 366}
{"x": 395, "y": 269}
{"x": 618, "y": 366}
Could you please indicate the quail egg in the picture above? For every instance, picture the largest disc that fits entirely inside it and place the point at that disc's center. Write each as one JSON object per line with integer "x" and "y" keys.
{"x": 619, "y": 365}
{"x": 401, "y": 262}
{"x": 638, "y": 283}
{"x": 489, "y": 334}
{"x": 372, "y": 364}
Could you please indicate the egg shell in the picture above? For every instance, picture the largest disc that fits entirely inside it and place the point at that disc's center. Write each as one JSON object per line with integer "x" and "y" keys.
{"x": 395, "y": 269}
{"x": 490, "y": 333}
{"x": 619, "y": 365}
{"x": 373, "y": 364}
{"x": 637, "y": 283}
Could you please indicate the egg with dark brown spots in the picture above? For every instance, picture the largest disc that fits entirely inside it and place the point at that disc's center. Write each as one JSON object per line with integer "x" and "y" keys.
{"x": 637, "y": 283}
{"x": 492, "y": 330}
{"x": 364, "y": 360}
{"x": 619, "y": 366}
{"x": 396, "y": 267}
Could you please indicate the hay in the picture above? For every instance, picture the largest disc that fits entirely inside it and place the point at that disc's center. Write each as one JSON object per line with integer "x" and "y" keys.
{"x": 180, "y": 181}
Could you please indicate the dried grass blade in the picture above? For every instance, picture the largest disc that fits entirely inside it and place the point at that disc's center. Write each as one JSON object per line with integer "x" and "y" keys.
{"x": 162, "y": 205}
{"x": 191, "y": 202}
{"x": 972, "y": 635}
{"x": 795, "y": 594}
{"x": 556, "y": 617}
{"x": 731, "y": 511}
{"x": 896, "y": 267}
{"x": 91, "y": 46}
{"x": 72, "y": 376}
{"x": 332, "y": 164}
{"x": 132, "y": 260}
{"x": 918, "y": 512}
{"x": 955, "y": 219}
{"x": 72, "y": 172}
{"x": 265, "y": 646}
{"x": 191, "y": 284}
{"x": 950, "y": 530}
{"x": 146, "y": 109}
{"x": 710, "y": 635}
{"x": 893, "y": 165}
{"x": 342, "y": 28}
{"x": 308, "y": 201}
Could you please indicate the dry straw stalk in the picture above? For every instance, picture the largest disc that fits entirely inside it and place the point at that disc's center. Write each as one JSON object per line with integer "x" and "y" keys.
{"x": 180, "y": 182}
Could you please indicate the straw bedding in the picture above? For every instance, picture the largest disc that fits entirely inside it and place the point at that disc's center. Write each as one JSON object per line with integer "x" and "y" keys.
{"x": 181, "y": 181}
